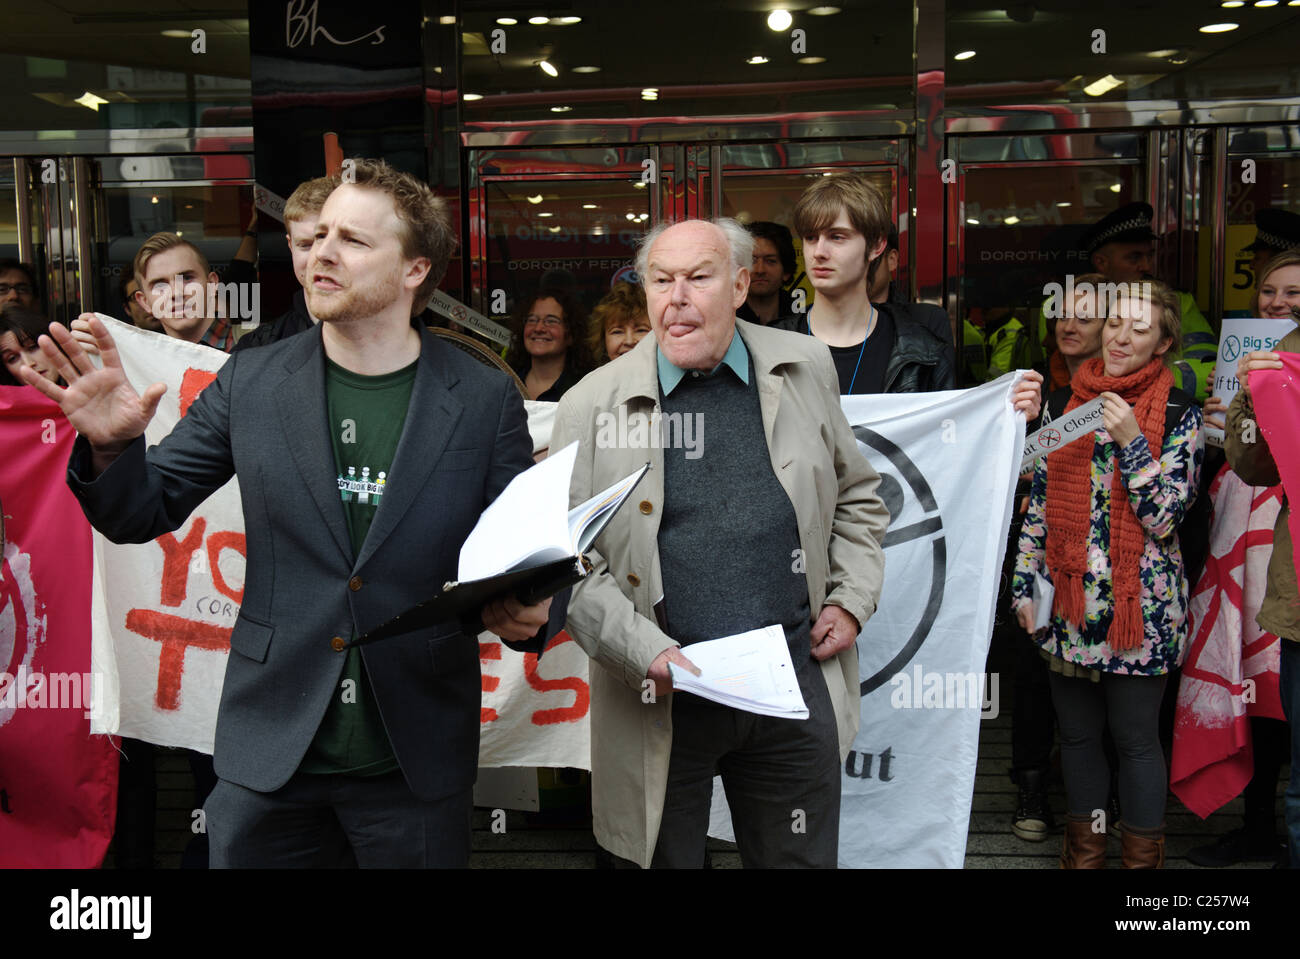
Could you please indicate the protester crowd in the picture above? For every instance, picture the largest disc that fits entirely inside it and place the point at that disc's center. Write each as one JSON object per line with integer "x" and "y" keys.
{"x": 1106, "y": 547}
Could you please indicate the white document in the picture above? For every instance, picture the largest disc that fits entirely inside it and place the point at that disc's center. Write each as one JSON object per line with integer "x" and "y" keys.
{"x": 750, "y": 671}
{"x": 1044, "y": 593}
{"x": 530, "y": 523}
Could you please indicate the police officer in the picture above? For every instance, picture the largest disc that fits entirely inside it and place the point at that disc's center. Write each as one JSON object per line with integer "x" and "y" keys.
{"x": 1276, "y": 231}
{"x": 1121, "y": 246}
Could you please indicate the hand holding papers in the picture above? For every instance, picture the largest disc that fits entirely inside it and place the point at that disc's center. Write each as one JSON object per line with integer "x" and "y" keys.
{"x": 527, "y": 544}
{"x": 750, "y": 671}
{"x": 1044, "y": 593}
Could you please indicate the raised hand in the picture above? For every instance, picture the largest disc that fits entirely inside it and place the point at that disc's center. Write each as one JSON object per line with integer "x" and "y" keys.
{"x": 101, "y": 405}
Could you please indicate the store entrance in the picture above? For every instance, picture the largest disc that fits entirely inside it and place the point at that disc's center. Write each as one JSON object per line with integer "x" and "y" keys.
{"x": 575, "y": 215}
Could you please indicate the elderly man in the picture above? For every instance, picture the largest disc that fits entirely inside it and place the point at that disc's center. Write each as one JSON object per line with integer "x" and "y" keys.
{"x": 772, "y": 519}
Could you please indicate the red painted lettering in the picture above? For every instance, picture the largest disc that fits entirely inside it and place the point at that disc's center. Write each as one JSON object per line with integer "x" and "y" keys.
{"x": 176, "y": 561}
{"x": 192, "y": 384}
{"x": 216, "y": 543}
{"x": 176, "y": 634}
{"x": 488, "y": 651}
{"x": 581, "y": 691}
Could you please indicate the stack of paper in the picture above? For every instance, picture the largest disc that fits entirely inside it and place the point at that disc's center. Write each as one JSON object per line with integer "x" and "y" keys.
{"x": 750, "y": 671}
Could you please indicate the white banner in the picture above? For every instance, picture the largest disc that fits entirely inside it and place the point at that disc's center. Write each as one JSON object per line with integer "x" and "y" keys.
{"x": 1238, "y": 336}
{"x": 948, "y": 464}
{"x": 163, "y": 611}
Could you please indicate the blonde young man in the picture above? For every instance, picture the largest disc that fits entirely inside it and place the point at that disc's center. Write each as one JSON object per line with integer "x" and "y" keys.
{"x": 301, "y": 211}
{"x": 310, "y": 777}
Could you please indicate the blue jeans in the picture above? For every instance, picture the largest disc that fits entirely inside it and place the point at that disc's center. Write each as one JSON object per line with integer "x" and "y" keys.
{"x": 1290, "y": 689}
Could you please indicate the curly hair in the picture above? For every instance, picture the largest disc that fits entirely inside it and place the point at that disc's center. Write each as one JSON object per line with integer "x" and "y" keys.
{"x": 427, "y": 227}
{"x": 578, "y": 357}
{"x": 624, "y": 302}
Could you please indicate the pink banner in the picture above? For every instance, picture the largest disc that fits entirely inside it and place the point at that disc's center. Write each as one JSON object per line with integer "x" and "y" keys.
{"x": 58, "y": 783}
{"x": 1276, "y": 395}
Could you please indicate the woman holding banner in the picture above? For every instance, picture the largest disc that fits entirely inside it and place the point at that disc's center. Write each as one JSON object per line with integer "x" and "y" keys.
{"x": 1102, "y": 529}
{"x": 1269, "y": 738}
{"x": 1251, "y": 458}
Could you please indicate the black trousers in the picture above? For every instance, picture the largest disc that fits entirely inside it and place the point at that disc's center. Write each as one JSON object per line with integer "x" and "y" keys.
{"x": 333, "y": 822}
{"x": 781, "y": 776}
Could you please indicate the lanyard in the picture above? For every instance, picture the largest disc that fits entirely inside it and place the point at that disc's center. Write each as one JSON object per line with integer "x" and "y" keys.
{"x": 862, "y": 349}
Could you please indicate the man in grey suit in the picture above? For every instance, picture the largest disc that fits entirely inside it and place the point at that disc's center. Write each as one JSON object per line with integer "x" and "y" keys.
{"x": 330, "y": 754}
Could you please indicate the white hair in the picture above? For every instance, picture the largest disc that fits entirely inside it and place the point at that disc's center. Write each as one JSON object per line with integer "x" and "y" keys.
{"x": 739, "y": 241}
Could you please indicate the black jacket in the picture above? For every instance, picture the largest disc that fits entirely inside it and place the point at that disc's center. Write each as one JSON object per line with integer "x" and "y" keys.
{"x": 920, "y": 362}
{"x": 263, "y": 421}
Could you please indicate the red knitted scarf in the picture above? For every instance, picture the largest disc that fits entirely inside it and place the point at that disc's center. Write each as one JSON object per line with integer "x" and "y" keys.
{"x": 1069, "y": 501}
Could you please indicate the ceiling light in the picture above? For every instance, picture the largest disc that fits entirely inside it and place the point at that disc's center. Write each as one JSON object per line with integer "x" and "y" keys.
{"x": 177, "y": 34}
{"x": 90, "y": 101}
{"x": 972, "y": 222}
{"x": 587, "y": 69}
{"x": 555, "y": 229}
{"x": 548, "y": 68}
{"x": 1266, "y": 3}
{"x": 812, "y": 59}
{"x": 630, "y": 216}
{"x": 180, "y": 232}
{"x": 1011, "y": 220}
{"x": 650, "y": 93}
{"x": 447, "y": 21}
{"x": 538, "y": 21}
{"x": 639, "y": 184}
{"x": 507, "y": 21}
{"x": 1161, "y": 54}
{"x": 1104, "y": 85}
{"x": 535, "y": 199}
{"x": 567, "y": 21}
{"x": 1233, "y": 3}
{"x": 1063, "y": 203}
{"x": 589, "y": 206}
{"x": 545, "y": 213}
{"x": 824, "y": 11}
{"x": 964, "y": 55}
{"x": 1116, "y": 187}
{"x": 756, "y": 60}
{"x": 472, "y": 96}
{"x": 1218, "y": 27}
{"x": 779, "y": 20}
{"x": 561, "y": 109}
{"x": 153, "y": 199}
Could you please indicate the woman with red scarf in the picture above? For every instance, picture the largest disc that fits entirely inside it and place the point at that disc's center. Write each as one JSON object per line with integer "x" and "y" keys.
{"x": 1102, "y": 528}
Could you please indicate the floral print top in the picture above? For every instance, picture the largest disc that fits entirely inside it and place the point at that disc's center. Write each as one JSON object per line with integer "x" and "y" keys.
{"x": 1159, "y": 492}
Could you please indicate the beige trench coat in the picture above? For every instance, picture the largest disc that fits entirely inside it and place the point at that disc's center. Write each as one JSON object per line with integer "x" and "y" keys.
{"x": 611, "y": 614}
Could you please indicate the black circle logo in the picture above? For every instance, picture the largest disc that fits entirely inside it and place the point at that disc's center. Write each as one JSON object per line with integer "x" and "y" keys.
{"x": 894, "y": 465}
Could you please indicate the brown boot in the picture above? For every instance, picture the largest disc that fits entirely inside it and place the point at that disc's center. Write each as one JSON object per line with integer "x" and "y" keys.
{"x": 1082, "y": 848}
{"x": 1143, "y": 849}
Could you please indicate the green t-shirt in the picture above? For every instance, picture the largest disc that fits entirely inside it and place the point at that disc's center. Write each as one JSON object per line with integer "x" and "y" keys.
{"x": 366, "y": 416}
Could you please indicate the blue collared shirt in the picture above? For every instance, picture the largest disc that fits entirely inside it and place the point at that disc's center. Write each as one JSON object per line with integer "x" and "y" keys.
{"x": 737, "y": 357}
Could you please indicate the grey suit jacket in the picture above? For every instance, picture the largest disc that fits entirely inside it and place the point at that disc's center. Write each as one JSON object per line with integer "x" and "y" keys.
{"x": 264, "y": 420}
